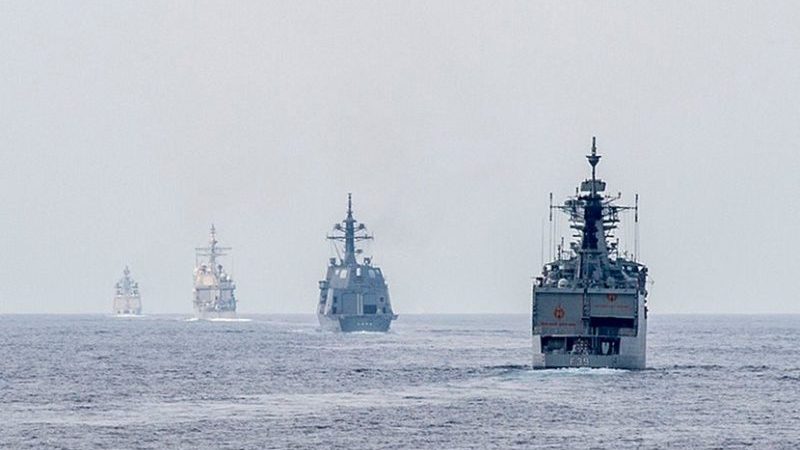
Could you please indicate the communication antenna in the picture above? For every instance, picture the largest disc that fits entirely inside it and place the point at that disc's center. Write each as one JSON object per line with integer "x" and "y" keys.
{"x": 336, "y": 250}
{"x": 636, "y": 229}
{"x": 556, "y": 233}
{"x": 551, "y": 229}
{"x": 542, "y": 246}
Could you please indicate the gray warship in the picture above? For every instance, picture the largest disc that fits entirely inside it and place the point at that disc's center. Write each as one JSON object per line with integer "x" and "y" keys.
{"x": 127, "y": 301}
{"x": 589, "y": 306}
{"x": 213, "y": 288}
{"x": 354, "y": 295}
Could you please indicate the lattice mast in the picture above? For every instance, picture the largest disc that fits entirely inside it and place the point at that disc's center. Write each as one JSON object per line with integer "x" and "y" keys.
{"x": 212, "y": 251}
{"x": 594, "y": 217}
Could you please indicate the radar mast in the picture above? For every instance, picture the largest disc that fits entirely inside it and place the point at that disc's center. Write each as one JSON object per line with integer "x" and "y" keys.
{"x": 213, "y": 250}
{"x": 350, "y": 230}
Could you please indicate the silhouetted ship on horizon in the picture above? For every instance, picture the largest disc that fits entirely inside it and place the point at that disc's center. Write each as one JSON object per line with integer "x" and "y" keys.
{"x": 354, "y": 295}
{"x": 213, "y": 287}
{"x": 127, "y": 301}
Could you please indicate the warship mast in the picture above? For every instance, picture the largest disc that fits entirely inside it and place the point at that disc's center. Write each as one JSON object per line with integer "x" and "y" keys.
{"x": 350, "y": 226}
{"x": 593, "y": 243}
{"x": 212, "y": 251}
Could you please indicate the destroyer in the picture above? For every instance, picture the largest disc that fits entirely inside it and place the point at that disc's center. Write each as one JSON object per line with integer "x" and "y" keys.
{"x": 213, "y": 287}
{"x": 589, "y": 305}
{"x": 127, "y": 301}
{"x": 354, "y": 295}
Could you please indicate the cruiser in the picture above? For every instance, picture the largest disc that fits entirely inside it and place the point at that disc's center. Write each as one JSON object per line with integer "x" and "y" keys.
{"x": 213, "y": 287}
{"x": 589, "y": 305}
{"x": 127, "y": 301}
{"x": 354, "y": 295}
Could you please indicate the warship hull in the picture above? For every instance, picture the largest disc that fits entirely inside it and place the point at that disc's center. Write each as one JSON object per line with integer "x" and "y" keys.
{"x": 605, "y": 347}
{"x": 551, "y": 361}
{"x": 127, "y": 310}
{"x": 354, "y": 295}
{"x": 589, "y": 306}
{"x": 354, "y": 323}
{"x": 213, "y": 287}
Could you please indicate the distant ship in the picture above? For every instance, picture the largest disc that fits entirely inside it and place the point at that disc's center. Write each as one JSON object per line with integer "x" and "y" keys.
{"x": 213, "y": 287}
{"x": 589, "y": 305}
{"x": 354, "y": 295}
{"x": 127, "y": 301}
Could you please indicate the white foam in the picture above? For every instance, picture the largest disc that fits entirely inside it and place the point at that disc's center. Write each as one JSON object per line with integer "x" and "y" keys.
{"x": 581, "y": 371}
{"x": 228, "y": 319}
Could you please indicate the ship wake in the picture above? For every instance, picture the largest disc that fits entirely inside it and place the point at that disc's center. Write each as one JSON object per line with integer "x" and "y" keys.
{"x": 228, "y": 319}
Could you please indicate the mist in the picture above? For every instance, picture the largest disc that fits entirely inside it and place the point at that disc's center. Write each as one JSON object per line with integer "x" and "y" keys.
{"x": 128, "y": 128}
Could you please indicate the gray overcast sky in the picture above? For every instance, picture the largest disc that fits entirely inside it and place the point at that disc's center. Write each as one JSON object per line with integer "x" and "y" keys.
{"x": 126, "y": 128}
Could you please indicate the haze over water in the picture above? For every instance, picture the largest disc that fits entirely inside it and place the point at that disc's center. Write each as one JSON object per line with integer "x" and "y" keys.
{"x": 129, "y": 127}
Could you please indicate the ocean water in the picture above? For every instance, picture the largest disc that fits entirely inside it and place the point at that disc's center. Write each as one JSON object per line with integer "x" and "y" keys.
{"x": 432, "y": 382}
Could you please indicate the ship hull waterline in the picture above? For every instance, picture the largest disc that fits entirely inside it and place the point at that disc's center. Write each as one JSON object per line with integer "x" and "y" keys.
{"x": 208, "y": 315}
{"x": 355, "y": 323}
{"x": 551, "y": 361}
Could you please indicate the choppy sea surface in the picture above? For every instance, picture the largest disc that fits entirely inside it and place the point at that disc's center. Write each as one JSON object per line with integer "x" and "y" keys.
{"x": 436, "y": 381}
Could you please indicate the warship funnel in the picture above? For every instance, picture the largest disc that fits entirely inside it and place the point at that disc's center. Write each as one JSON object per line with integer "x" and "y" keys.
{"x": 127, "y": 301}
{"x": 354, "y": 295}
{"x": 213, "y": 287}
{"x": 589, "y": 305}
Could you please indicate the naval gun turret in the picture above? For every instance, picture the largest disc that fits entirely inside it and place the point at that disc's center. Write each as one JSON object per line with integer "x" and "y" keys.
{"x": 354, "y": 295}
{"x": 213, "y": 287}
{"x": 589, "y": 305}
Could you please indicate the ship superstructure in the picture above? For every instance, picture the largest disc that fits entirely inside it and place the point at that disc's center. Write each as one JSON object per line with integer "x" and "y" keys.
{"x": 589, "y": 305}
{"x": 213, "y": 287}
{"x": 127, "y": 301}
{"x": 354, "y": 295}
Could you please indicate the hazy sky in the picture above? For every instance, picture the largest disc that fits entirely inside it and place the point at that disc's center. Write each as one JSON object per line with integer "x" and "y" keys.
{"x": 126, "y": 128}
